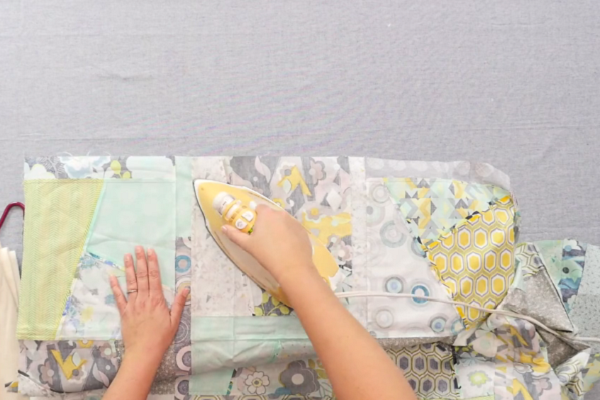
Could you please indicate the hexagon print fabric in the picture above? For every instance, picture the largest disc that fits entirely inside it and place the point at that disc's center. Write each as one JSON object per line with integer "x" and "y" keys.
{"x": 476, "y": 260}
{"x": 396, "y": 264}
{"x": 428, "y": 368}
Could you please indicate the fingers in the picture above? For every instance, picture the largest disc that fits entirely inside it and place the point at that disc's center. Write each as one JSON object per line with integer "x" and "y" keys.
{"x": 154, "y": 274}
{"x": 142, "y": 270}
{"x": 266, "y": 214}
{"x": 236, "y": 236}
{"x": 130, "y": 275}
{"x": 118, "y": 293}
{"x": 261, "y": 208}
{"x": 178, "y": 305}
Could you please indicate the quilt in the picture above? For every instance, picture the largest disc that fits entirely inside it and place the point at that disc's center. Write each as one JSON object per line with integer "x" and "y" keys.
{"x": 446, "y": 231}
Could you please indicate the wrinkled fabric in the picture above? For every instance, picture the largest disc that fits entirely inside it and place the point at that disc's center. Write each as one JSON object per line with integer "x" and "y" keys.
{"x": 510, "y": 358}
{"x": 586, "y": 310}
{"x": 565, "y": 261}
{"x": 505, "y": 358}
{"x": 475, "y": 261}
{"x": 542, "y": 300}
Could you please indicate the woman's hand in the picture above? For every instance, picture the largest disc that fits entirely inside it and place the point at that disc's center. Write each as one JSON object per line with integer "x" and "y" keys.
{"x": 147, "y": 324}
{"x": 278, "y": 242}
{"x": 281, "y": 245}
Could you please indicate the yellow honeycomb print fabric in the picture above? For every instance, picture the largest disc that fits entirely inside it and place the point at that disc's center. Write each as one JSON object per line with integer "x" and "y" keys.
{"x": 475, "y": 260}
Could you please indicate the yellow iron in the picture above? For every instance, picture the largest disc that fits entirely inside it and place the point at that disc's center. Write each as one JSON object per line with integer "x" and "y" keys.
{"x": 234, "y": 205}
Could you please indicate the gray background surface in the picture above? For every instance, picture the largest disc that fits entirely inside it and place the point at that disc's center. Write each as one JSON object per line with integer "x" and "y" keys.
{"x": 512, "y": 83}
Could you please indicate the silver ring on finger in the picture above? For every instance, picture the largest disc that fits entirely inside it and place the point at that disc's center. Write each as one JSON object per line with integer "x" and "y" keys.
{"x": 132, "y": 291}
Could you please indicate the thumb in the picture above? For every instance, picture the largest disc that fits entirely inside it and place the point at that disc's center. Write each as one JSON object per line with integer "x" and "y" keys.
{"x": 236, "y": 236}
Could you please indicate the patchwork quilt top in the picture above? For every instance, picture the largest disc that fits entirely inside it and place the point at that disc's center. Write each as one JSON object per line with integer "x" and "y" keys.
{"x": 441, "y": 230}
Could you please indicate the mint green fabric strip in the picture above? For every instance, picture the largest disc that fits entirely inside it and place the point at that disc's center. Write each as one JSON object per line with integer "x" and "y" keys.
{"x": 233, "y": 342}
{"x": 215, "y": 355}
{"x": 211, "y": 383}
{"x": 247, "y": 328}
{"x": 136, "y": 213}
{"x": 185, "y": 196}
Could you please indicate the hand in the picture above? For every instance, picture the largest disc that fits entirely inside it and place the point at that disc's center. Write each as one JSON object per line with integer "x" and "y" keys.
{"x": 147, "y": 325}
{"x": 278, "y": 242}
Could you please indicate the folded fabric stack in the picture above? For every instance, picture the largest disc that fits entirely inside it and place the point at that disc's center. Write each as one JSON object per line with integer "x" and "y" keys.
{"x": 442, "y": 230}
{"x": 9, "y": 300}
